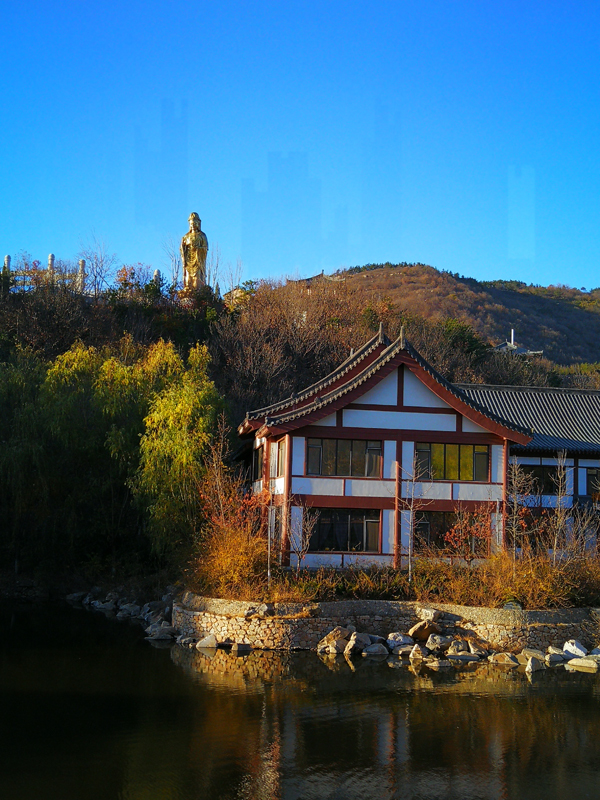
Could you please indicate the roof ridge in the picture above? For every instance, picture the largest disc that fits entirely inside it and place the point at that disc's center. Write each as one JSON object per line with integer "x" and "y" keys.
{"x": 516, "y": 387}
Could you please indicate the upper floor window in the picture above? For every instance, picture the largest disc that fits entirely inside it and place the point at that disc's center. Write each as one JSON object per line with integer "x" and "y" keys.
{"x": 257, "y": 463}
{"x": 452, "y": 462}
{"x": 357, "y": 458}
{"x": 277, "y": 458}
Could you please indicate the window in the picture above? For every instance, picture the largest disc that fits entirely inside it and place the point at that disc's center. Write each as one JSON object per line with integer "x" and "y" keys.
{"x": 257, "y": 463}
{"x": 593, "y": 481}
{"x": 431, "y": 527}
{"x": 352, "y": 457}
{"x": 545, "y": 476}
{"x": 277, "y": 466}
{"x": 346, "y": 530}
{"x": 452, "y": 462}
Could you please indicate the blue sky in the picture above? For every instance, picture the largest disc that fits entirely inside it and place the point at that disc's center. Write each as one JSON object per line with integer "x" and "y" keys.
{"x": 307, "y": 135}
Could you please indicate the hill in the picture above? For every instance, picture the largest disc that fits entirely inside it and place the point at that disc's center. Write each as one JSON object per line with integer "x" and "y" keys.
{"x": 562, "y": 321}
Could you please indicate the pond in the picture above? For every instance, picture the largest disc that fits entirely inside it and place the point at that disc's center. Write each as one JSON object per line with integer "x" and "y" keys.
{"x": 91, "y": 710}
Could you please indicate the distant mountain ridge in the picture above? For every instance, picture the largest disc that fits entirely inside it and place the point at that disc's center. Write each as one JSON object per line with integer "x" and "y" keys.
{"x": 562, "y": 321}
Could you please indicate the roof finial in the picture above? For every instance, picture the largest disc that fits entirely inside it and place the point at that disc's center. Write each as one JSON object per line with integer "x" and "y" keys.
{"x": 402, "y": 336}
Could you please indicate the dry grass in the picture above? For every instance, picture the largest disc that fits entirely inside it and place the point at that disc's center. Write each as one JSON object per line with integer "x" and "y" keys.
{"x": 533, "y": 581}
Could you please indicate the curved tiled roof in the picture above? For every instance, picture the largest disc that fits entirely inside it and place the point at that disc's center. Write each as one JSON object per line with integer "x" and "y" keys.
{"x": 561, "y": 419}
{"x": 287, "y": 411}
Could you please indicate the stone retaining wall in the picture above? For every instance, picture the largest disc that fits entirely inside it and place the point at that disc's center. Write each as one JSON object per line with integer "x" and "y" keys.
{"x": 297, "y": 626}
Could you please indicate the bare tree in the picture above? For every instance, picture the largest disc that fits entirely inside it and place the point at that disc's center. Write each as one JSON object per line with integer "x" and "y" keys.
{"x": 173, "y": 254}
{"x": 412, "y": 500}
{"x": 302, "y": 527}
{"x": 100, "y": 263}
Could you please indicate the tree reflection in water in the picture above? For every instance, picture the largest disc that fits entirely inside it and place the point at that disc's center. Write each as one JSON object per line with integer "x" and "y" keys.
{"x": 90, "y": 711}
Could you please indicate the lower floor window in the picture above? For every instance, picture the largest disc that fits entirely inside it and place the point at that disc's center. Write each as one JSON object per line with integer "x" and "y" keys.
{"x": 346, "y": 530}
{"x": 431, "y": 528}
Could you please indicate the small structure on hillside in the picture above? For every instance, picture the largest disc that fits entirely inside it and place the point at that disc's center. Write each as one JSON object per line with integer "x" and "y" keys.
{"x": 513, "y": 349}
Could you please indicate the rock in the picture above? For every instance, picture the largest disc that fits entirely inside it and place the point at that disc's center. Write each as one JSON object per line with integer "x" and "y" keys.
{"x": 418, "y": 653}
{"x": 575, "y": 648}
{"x": 240, "y": 649}
{"x": 458, "y": 646}
{"x": 398, "y": 639}
{"x": 266, "y": 609}
{"x": 423, "y": 630}
{"x": 429, "y": 614}
{"x": 357, "y": 643}
{"x": 462, "y": 658}
{"x": 376, "y": 639}
{"x": 336, "y": 633}
{"x": 585, "y": 664}
{"x": 375, "y": 649}
{"x": 402, "y": 650}
{"x": 438, "y": 642}
{"x": 477, "y": 650}
{"x": 100, "y": 606}
{"x": 186, "y": 641}
{"x": 531, "y": 652}
{"x": 437, "y": 663}
{"x": 504, "y": 659}
{"x": 534, "y": 665}
{"x": 555, "y": 650}
{"x": 337, "y": 646}
{"x": 130, "y": 608}
{"x": 512, "y": 605}
{"x": 207, "y": 643}
{"x": 594, "y": 652}
{"x": 75, "y": 597}
{"x": 554, "y": 658}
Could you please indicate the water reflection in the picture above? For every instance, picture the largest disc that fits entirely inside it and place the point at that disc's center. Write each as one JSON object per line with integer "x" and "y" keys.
{"x": 89, "y": 710}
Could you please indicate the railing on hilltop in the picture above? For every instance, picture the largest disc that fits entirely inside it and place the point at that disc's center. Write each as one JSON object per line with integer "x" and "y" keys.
{"x": 32, "y": 277}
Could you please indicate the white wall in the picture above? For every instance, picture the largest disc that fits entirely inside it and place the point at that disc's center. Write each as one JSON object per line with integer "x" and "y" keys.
{"x": 385, "y": 393}
{"x": 417, "y": 394}
{"x": 398, "y": 420}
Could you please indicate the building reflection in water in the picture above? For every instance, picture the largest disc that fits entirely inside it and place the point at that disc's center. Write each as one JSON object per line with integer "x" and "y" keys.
{"x": 294, "y": 726}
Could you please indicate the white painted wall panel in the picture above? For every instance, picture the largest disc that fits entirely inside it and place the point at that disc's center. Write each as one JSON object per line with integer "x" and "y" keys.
{"x": 296, "y": 514}
{"x": 327, "y": 422}
{"x": 476, "y": 491}
{"x": 417, "y": 394}
{"x": 397, "y": 420}
{"x": 388, "y": 531}
{"x": 385, "y": 393}
{"x": 257, "y": 487}
{"x": 369, "y": 488}
{"x": 582, "y": 479}
{"x": 322, "y": 560}
{"x": 497, "y": 466}
{"x": 325, "y": 486}
{"x": 408, "y": 456}
{"x": 405, "y": 517}
{"x": 427, "y": 491}
{"x": 472, "y": 427}
{"x": 497, "y": 523}
{"x": 527, "y": 460}
{"x": 277, "y": 485}
{"x": 366, "y": 560}
{"x": 551, "y": 461}
{"x": 298, "y": 445}
{"x": 589, "y": 462}
{"x": 389, "y": 460}
{"x": 570, "y": 479}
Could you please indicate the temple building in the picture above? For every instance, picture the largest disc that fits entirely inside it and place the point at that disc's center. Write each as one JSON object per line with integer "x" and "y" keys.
{"x": 382, "y": 452}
